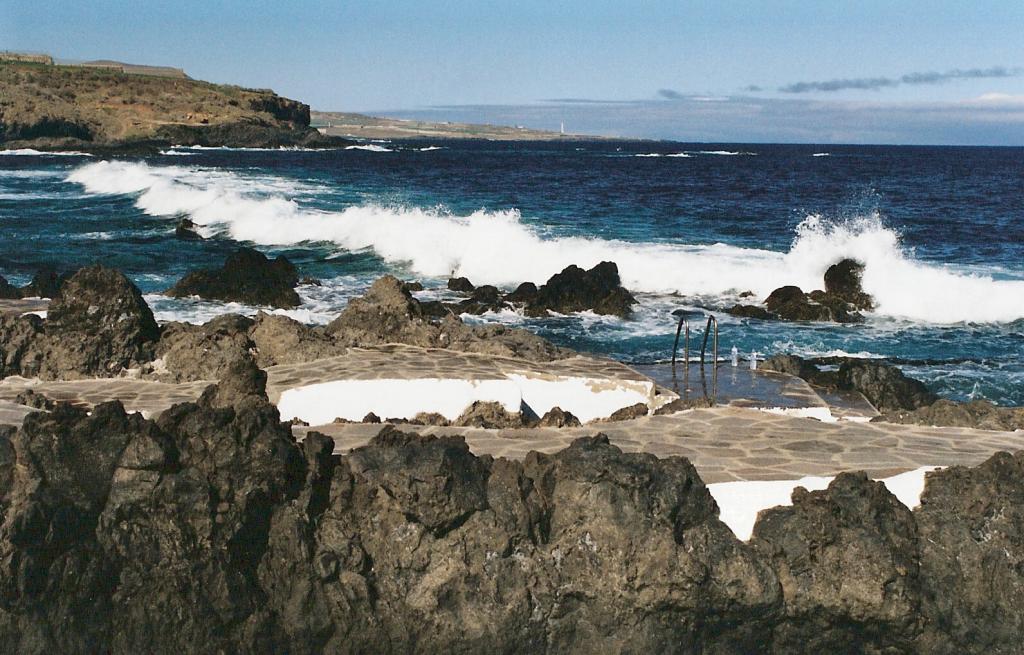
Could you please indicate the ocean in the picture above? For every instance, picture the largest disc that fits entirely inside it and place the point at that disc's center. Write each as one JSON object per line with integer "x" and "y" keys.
{"x": 940, "y": 230}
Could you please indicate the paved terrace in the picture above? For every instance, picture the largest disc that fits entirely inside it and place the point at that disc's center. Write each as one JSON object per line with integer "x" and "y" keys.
{"x": 728, "y": 442}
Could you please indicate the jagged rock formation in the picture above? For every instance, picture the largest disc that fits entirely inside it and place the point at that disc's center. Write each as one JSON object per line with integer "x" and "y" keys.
{"x": 841, "y": 302}
{"x": 388, "y": 313}
{"x": 972, "y": 414}
{"x": 575, "y": 290}
{"x": 210, "y": 530}
{"x": 247, "y": 276}
{"x": 97, "y": 326}
{"x": 7, "y": 290}
{"x": 882, "y": 384}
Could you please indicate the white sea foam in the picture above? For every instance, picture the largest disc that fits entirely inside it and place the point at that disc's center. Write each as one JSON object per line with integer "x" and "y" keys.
{"x": 821, "y": 154}
{"x": 724, "y": 153}
{"x": 498, "y": 248}
{"x": 40, "y": 153}
{"x": 658, "y": 154}
{"x": 369, "y": 148}
{"x": 430, "y": 148}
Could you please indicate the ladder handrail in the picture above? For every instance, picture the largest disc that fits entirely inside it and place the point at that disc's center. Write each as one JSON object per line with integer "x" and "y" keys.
{"x": 683, "y": 323}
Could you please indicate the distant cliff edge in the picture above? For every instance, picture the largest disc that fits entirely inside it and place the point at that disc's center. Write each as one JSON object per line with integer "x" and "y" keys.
{"x": 101, "y": 107}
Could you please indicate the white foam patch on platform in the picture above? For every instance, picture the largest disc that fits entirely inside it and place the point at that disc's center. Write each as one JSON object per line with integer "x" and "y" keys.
{"x": 740, "y": 502}
{"x": 819, "y": 413}
{"x": 586, "y": 398}
{"x": 321, "y": 403}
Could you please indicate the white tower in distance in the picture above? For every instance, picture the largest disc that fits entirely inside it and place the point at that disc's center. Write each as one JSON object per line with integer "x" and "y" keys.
{"x": 562, "y": 130}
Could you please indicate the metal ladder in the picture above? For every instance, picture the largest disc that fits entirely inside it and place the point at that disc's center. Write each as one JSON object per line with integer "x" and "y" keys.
{"x": 684, "y": 324}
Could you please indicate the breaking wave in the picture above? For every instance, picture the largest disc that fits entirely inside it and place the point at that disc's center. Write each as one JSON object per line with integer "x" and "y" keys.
{"x": 496, "y": 247}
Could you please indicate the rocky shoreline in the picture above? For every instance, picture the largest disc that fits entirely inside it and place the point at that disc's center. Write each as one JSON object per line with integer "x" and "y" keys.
{"x": 210, "y": 529}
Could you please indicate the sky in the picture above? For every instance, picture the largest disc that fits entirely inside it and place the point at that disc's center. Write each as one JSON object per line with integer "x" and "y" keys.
{"x": 771, "y": 71}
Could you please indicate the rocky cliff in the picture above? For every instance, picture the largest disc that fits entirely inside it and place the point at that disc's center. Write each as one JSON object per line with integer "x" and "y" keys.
{"x": 104, "y": 109}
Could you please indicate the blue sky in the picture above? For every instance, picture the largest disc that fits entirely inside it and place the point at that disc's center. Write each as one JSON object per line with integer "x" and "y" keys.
{"x": 891, "y": 72}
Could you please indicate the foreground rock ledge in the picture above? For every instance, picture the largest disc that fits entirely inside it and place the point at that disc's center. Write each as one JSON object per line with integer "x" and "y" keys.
{"x": 211, "y": 530}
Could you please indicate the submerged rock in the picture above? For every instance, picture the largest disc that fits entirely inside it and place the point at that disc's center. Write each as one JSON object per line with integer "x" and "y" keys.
{"x": 246, "y": 277}
{"x": 575, "y": 290}
{"x": 186, "y": 231}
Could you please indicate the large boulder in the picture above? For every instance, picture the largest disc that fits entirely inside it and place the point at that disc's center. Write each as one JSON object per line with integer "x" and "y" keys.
{"x": 187, "y": 353}
{"x": 46, "y": 283}
{"x": 790, "y": 303}
{"x": 847, "y": 561}
{"x": 387, "y": 313}
{"x": 283, "y": 340}
{"x": 7, "y": 290}
{"x": 971, "y": 525}
{"x": 843, "y": 280}
{"x": 247, "y": 277}
{"x": 97, "y": 326}
{"x": 884, "y": 385}
{"x": 576, "y": 290}
{"x": 18, "y": 335}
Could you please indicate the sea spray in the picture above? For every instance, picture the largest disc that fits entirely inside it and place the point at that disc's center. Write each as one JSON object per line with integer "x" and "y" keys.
{"x": 497, "y": 247}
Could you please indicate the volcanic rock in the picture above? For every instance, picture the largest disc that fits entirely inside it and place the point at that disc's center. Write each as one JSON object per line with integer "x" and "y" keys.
{"x": 211, "y": 530}
{"x": 843, "y": 280}
{"x": 7, "y": 290}
{"x": 460, "y": 284}
{"x": 283, "y": 340}
{"x": 791, "y": 304}
{"x": 493, "y": 415}
{"x": 750, "y": 311}
{"x": 46, "y": 283}
{"x": 847, "y": 561}
{"x": 18, "y": 336}
{"x": 186, "y": 231}
{"x": 556, "y": 417}
{"x": 979, "y": 414}
{"x": 187, "y": 353}
{"x": 246, "y": 277}
{"x": 884, "y": 385}
{"x": 387, "y": 313}
{"x": 629, "y": 413}
{"x": 525, "y": 293}
{"x": 971, "y": 526}
{"x": 97, "y": 326}
{"x": 576, "y": 290}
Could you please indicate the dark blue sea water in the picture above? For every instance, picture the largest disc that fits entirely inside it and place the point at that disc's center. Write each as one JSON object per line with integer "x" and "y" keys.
{"x": 941, "y": 231}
